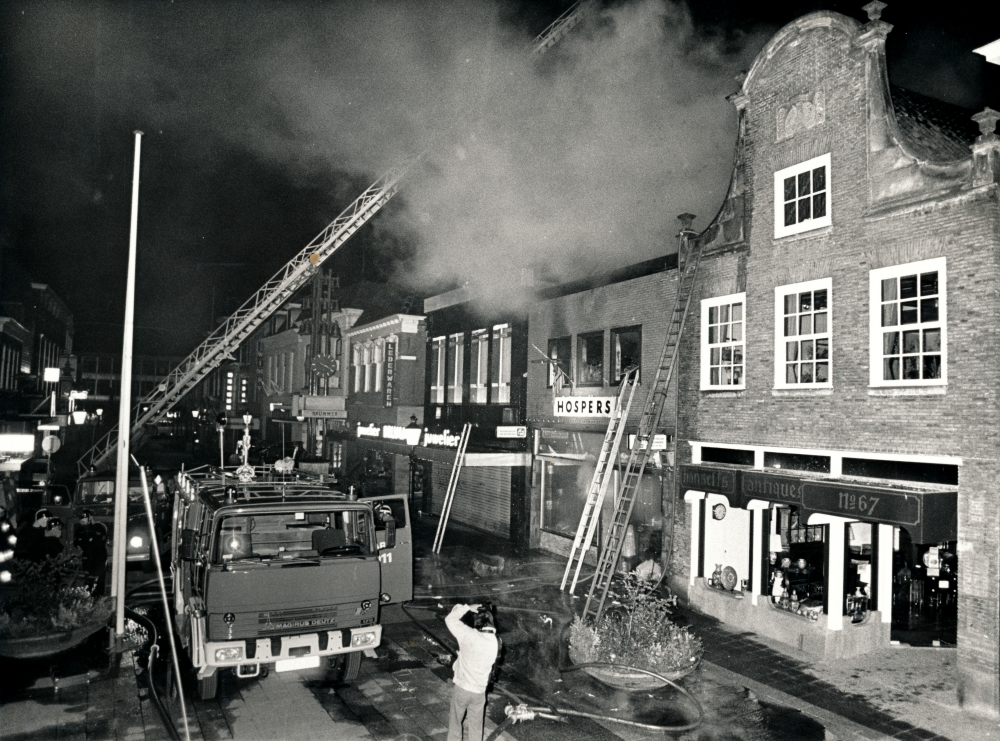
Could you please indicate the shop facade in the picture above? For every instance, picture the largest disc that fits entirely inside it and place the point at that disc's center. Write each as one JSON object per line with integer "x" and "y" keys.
{"x": 838, "y": 401}
{"x": 385, "y": 403}
{"x": 585, "y": 337}
{"x": 477, "y": 360}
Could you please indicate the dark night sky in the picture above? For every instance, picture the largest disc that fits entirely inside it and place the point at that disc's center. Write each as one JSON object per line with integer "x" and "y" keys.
{"x": 263, "y": 120}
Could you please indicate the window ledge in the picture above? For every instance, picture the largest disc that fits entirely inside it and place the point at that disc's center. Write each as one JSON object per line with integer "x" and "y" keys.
{"x": 725, "y": 393}
{"x": 821, "y": 391}
{"x": 907, "y": 390}
{"x": 730, "y": 594}
{"x": 819, "y": 231}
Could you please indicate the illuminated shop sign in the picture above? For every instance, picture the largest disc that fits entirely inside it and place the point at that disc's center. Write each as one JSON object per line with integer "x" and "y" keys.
{"x": 17, "y": 443}
{"x": 390, "y": 373}
{"x": 409, "y": 435}
{"x": 583, "y": 406}
{"x": 446, "y": 439}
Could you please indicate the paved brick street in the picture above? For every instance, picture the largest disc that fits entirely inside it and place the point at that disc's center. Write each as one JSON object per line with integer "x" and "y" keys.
{"x": 749, "y": 687}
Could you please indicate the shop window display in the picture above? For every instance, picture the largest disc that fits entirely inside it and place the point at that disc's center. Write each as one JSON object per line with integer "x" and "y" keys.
{"x": 796, "y": 571}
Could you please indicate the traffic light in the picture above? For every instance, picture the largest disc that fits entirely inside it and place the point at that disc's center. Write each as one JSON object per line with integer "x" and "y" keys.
{"x": 220, "y": 420}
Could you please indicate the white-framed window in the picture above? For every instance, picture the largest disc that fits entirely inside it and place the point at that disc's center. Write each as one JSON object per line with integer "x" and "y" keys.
{"x": 356, "y": 366}
{"x": 908, "y": 324}
{"x": 378, "y": 363}
{"x": 438, "y": 346}
{"x": 723, "y": 342}
{"x": 501, "y": 364}
{"x": 802, "y": 197}
{"x": 802, "y": 335}
{"x": 456, "y": 368}
{"x": 366, "y": 359}
{"x": 479, "y": 356}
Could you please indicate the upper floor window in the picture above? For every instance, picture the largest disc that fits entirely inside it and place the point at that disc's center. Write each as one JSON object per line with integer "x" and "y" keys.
{"x": 437, "y": 370}
{"x": 366, "y": 359}
{"x": 908, "y": 324}
{"x": 501, "y": 364}
{"x": 479, "y": 354}
{"x": 626, "y": 352}
{"x": 802, "y": 197}
{"x": 560, "y": 350}
{"x": 722, "y": 342}
{"x": 590, "y": 359}
{"x": 378, "y": 361}
{"x": 456, "y": 358}
{"x": 356, "y": 366}
{"x": 802, "y": 334}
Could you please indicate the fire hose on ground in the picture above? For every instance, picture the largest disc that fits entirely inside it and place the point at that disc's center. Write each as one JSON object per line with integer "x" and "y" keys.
{"x": 521, "y": 711}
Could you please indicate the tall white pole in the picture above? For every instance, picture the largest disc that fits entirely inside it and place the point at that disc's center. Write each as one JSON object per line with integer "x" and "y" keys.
{"x": 125, "y": 412}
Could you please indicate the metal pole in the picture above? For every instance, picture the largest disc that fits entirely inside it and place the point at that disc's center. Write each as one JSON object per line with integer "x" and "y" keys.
{"x": 155, "y": 553}
{"x": 124, "y": 412}
{"x": 222, "y": 447}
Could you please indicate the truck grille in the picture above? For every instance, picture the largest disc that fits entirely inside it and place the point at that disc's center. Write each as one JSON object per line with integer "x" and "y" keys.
{"x": 280, "y": 622}
{"x": 307, "y": 619}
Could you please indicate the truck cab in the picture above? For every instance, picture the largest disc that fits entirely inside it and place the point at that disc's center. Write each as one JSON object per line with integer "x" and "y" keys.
{"x": 96, "y": 492}
{"x": 282, "y": 573}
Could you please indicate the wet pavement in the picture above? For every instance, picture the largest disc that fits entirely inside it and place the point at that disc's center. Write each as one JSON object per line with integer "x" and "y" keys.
{"x": 750, "y": 689}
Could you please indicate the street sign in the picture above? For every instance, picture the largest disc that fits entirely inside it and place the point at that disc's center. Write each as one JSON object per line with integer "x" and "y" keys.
{"x": 51, "y": 444}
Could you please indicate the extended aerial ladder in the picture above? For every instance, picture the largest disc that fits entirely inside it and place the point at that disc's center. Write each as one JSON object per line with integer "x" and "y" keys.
{"x": 690, "y": 253}
{"x": 603, "y": 473}
{"x": 225, "y": 340}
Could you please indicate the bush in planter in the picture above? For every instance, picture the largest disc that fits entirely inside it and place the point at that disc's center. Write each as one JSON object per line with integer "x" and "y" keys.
{"x": 48, "y": 597}
{"x": 636, "y": 631}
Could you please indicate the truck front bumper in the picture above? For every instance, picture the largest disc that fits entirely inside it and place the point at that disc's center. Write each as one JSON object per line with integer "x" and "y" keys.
{"x": 220, "y": 654}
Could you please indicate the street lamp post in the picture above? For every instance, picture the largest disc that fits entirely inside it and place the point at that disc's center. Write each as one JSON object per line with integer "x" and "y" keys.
{"x": 220, "y": 422}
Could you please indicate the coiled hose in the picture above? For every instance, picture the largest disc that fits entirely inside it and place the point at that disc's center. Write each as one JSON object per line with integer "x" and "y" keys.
{"x": 566, "y": 711}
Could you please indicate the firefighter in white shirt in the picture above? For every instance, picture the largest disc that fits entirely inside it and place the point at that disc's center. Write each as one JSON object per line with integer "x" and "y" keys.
{"x": 478, "y": 647}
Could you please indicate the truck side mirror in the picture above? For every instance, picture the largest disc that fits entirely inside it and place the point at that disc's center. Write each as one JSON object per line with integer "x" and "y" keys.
{"x": 188, "y": 549}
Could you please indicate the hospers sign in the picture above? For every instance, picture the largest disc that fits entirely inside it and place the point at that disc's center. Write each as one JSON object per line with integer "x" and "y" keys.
{"x": 583, "y": 406}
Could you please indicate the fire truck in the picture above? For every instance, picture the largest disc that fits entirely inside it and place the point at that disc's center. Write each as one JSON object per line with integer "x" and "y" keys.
{"x": 96, "y": 492}
{"x": 283, "y": 572}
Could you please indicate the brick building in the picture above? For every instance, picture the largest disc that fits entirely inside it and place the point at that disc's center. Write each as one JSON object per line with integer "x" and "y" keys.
{"x": 583, "y": 336}
{"x": 838, "y": 396}
{"x": 385, "y": 402}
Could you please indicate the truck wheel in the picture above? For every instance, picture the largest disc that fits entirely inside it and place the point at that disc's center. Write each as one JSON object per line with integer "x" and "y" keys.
{"x": 208, "y": 686}
{"x": 351, "y": 666}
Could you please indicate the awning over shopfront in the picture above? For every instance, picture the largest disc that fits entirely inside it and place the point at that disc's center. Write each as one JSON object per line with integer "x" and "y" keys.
{"x": 929, "y": 516}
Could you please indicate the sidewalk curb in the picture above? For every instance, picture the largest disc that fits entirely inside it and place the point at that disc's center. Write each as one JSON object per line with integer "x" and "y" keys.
{"x": 839, "y": 727}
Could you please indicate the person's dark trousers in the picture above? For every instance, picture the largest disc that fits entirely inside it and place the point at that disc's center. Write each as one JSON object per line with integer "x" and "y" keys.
{"x": 472, "y": 707}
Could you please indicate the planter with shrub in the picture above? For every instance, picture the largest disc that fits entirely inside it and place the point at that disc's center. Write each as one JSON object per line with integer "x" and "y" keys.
{"x": 45, "y": 608}
{"x": 636, "y": 631}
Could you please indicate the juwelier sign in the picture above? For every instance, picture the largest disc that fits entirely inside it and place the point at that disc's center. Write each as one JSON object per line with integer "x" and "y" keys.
{"x": 583, "y": 406}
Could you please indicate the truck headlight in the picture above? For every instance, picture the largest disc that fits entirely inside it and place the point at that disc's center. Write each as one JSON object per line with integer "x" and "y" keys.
{"x": 363, "y": 639}
{"x": 135, "y": 541}
{"x": 229, "y": 654}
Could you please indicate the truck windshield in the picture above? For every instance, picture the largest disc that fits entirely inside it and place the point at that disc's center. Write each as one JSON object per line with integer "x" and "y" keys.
{"x": 294, "y": 535}
{"x": 102, "y": 491}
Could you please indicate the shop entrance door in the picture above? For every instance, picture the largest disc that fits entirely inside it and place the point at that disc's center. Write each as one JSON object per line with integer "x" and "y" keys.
{"x": 924, "y": 595}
